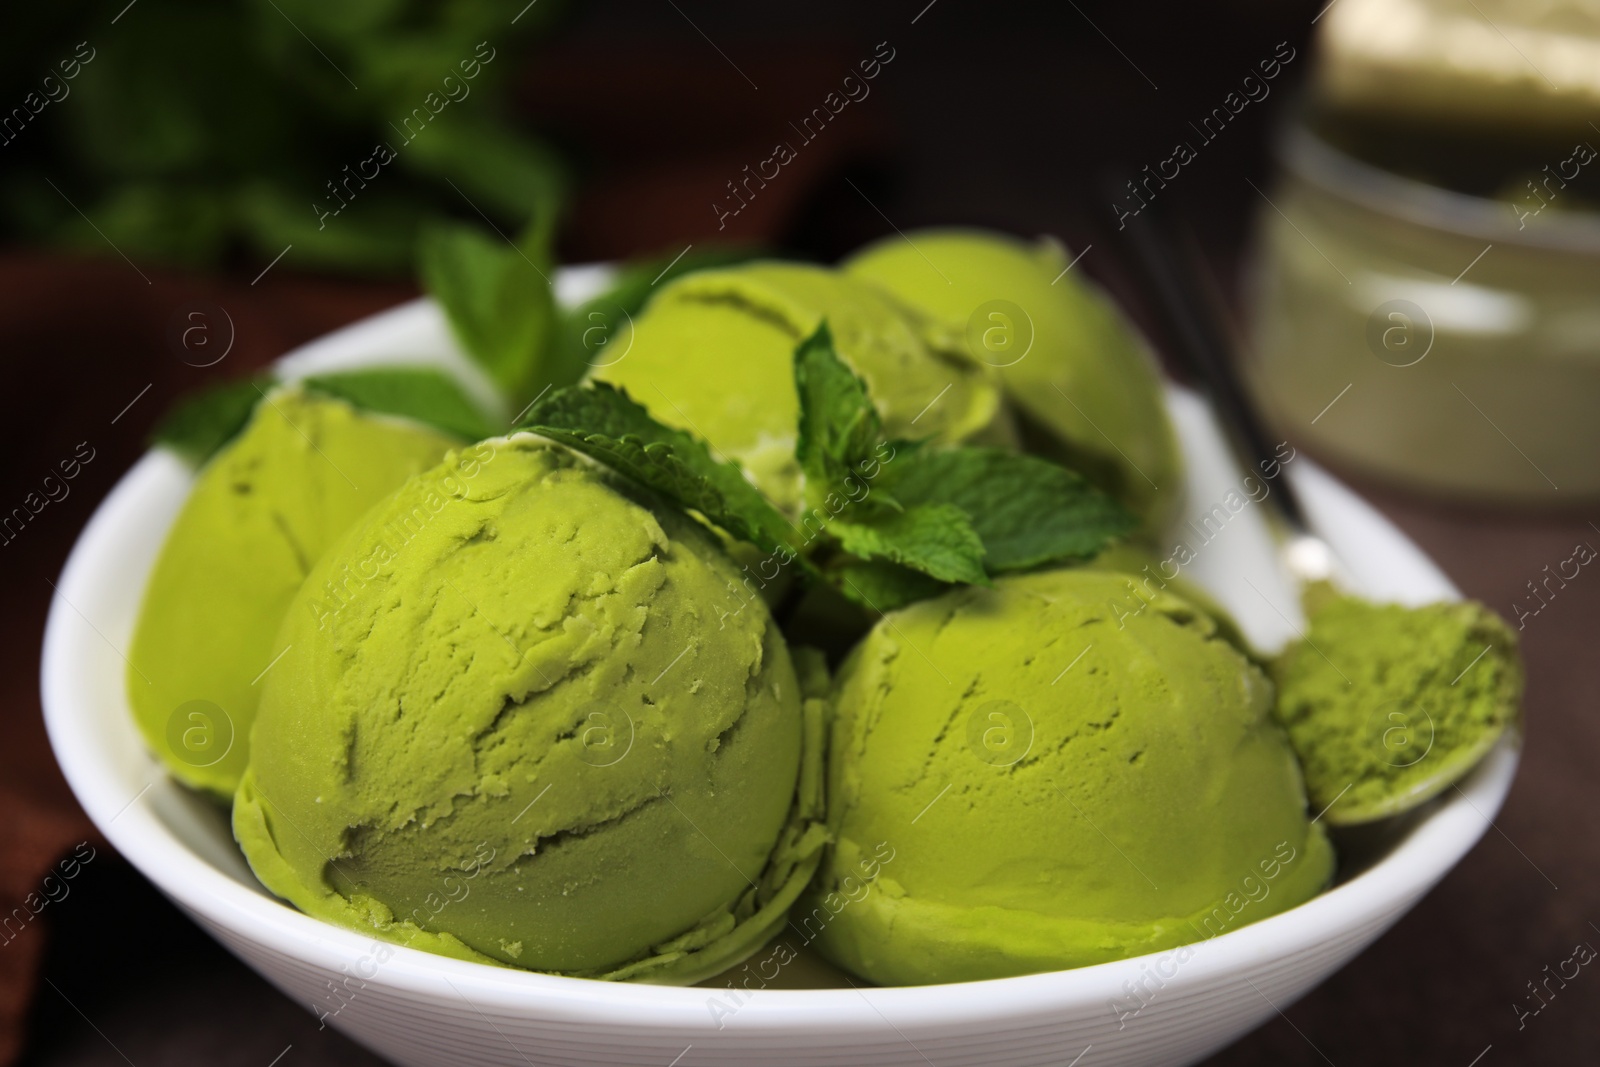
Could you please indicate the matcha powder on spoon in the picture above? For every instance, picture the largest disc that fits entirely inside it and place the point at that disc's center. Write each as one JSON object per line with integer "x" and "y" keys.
{"x": 1388, "y": 706}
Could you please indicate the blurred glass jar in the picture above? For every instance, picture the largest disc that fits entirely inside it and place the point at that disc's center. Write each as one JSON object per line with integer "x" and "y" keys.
{"x": 1441, "y": 340}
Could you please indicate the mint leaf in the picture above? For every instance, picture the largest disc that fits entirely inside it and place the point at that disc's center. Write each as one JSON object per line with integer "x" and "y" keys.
{"x": 838, "y": 424}
{"x": 935, "y": 539}
{"x": 954, "y": 515}
{"x": 1027, "y": 511}
{"x": 198, "y": 425}
{"x": 499, "y": 169}
{"x": 604, "y": 423}
{"x": 497, "y": 298}
{"x": 883, "y": 586}
{"x": 424, "y": 394}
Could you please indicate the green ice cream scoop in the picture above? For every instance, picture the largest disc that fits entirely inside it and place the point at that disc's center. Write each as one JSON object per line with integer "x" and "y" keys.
{"x": 1052, "y": 789}
{"x": 1388, "y": 706}
{"x": 527, "y": 717}
{"x": 1068, "y": 359}
{"x": 713, "y": 353}
{"x": 260, "y": 514}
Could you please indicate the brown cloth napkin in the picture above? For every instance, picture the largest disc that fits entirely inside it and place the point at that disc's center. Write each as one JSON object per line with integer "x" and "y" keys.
{"x": 98, "y": 347}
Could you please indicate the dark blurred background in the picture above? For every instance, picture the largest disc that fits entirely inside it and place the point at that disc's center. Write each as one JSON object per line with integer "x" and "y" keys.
{"x": 191, "y": 148}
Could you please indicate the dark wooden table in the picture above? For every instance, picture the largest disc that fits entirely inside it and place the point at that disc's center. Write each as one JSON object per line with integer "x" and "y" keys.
{"x": 997, "y": 115}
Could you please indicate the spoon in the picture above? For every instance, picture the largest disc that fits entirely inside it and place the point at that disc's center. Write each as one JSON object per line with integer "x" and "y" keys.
{"x": 1353, "y": 776}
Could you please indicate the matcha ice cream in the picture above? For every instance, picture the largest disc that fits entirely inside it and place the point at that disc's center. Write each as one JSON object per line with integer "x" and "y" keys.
{"x": 1143, "y": 571}
{"x": 1388, "y": 706}
{"x": 1054, "y": 790}
{"x": 526, "y": 717}
{"x": 1068, "y": 359}
{"x": 713, "y": 353}
{"x": 260, "y": 514}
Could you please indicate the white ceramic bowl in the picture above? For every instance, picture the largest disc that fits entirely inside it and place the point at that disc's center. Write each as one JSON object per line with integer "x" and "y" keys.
{"x": 419, "y": 1009}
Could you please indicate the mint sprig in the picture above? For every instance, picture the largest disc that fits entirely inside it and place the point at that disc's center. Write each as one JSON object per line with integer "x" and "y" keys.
{"x": 946, "y": 515}
{"x": 936, "y": 539}
{"x": 604, "y": 423}
{"x": 499, "y": 301}
{"x": 199, "y": 424}
{"x": 883, "y": 586}
{"x": 423, "y": 394}
{"x": 839, "y": 426}
{"x": 1026, "y": 511}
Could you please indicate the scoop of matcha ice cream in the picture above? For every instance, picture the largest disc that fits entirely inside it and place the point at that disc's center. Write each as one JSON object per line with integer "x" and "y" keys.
{"x": 1020, "y": 784}
{"x": 526, "y": 717}
{"x": 260, "y": 514}
{"x": 1388, "y": 706}
{"x": 1068, "y": 359}
{"x": 713, "y": 353}
{"x": 1143, "y": 571}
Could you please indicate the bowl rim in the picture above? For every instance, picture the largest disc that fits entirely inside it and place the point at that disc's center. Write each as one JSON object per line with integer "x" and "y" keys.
{"x": 1372, "y": 899}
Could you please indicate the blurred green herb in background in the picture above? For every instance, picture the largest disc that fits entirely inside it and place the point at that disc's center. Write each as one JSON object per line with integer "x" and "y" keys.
{"x": 204, "y": 132}
{"x": 498, "y": 296}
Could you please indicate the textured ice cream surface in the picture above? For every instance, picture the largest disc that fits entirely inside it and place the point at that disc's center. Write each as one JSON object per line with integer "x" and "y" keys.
{"x": 713, "y": 353}
{"x": 525, "y": 716}
{"x": 1390, "y": 705}
{"x": 1057, "y": 787}
{"x": 1144, "y": 572}
{"x": 259, "y": 516}
{"x": 1067, "y": 358}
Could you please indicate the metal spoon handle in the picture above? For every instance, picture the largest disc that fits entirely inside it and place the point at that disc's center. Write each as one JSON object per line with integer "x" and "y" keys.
{"x": 1174, "y": 276}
